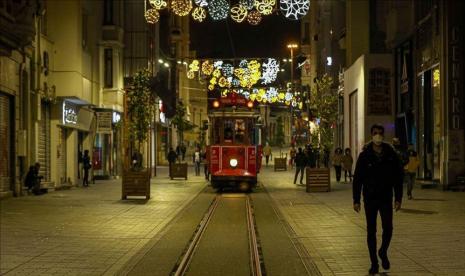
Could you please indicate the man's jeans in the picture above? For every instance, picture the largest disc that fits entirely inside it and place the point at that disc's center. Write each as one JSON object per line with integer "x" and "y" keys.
{"x": 371, "y": 212}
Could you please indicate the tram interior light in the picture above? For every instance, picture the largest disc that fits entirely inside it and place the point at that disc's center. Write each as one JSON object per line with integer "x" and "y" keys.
{"x": 216, "y": 104}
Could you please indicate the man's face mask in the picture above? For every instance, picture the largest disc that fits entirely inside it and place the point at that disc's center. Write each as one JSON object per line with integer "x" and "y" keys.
{"x": 378, "y": 139}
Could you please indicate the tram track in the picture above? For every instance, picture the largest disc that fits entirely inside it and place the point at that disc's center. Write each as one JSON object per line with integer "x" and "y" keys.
{"x": 256, "y": 264}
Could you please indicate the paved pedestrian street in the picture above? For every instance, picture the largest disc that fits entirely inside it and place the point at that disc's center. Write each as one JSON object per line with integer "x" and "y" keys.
{"x": 91, "y": 231}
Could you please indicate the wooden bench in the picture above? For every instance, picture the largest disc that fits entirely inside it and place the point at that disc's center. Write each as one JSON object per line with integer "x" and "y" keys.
{"x": 318, "y": 180}
{"x": 280, "y": 163}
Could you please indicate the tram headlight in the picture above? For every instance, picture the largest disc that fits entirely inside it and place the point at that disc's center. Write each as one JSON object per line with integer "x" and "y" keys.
{"x": 233, "y": 162}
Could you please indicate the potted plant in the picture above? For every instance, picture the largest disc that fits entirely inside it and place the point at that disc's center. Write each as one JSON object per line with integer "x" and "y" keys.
{"x": 280, "y": 163}
{"x": 140, "y": 104}
{"x": 323, "y": 106}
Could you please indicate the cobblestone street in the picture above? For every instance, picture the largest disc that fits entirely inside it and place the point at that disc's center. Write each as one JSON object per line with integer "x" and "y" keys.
{"x": 92, "y": 232}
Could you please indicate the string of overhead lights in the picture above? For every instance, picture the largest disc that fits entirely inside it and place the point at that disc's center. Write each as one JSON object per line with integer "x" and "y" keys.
{"x": 251, "y": 11}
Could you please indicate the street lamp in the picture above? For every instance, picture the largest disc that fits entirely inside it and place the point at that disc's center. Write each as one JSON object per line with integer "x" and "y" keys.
{"x": 291, "y": 47}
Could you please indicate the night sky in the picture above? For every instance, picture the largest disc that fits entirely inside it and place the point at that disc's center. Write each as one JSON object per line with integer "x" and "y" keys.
{"x": 269, "y": 39}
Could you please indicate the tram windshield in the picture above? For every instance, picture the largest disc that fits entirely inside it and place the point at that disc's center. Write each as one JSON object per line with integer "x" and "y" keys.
{"x": 234, "y": 131}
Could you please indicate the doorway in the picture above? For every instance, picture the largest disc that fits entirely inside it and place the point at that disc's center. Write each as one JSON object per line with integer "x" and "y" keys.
{"x": 429, "y": 124}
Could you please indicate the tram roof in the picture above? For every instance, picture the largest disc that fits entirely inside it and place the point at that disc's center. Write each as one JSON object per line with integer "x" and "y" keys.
{"x": 233, "y": 113}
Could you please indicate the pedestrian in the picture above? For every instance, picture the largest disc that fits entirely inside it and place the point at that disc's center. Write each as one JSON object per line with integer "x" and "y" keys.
{"x": 196, "y": 159}
{"x": 310, "y": 154}
{"x": 292, "y": 153}
{"x": 378, "y": 173}
{"x": 172, "y": 156}
{"x": 32, "y": 180}
{"x": 401, "y": 153}
{"x": 337, "y": 163}
{"x": 183, "y": 151}
{"x": 411, "y": 170}
{"x": 326, "y": 157}
{"x": 267, "y": 153}
{"x": 205, "y": 165}
{"x": 300, "y": 162}
{"x": 347, "y": 162}
{"x": 86, "y": 165}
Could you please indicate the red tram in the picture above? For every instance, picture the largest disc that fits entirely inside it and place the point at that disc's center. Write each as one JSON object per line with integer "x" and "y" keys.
{"x": 234, "y": 154}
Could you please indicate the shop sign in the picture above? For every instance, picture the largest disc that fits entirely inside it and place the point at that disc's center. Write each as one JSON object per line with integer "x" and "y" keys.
{"x": 455, "y": 79}
{"x": 404, "y": 78}
{"x": 161, "y": 109}
{"x": 70, "y": 114}
{"x": 116, "y": 117}
{"x": 104, "y": 121}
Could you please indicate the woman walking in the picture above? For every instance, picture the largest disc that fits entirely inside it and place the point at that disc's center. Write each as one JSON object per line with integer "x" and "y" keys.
{"x": 347, "y": 162}
{"x": 337, "y": 162}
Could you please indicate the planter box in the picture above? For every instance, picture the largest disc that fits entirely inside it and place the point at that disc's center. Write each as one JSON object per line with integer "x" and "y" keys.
{"x": 136, "y": 183}
{"x": 318, "y": 180}
{"x": 178, "y": 171}
{"x": 280, "y": 164}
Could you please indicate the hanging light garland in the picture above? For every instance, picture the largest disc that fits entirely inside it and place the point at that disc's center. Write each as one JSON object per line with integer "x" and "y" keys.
{"x": 181, "y": 7}
{"x": 239, "y": 13}
{"x": 254, "y": 18}
{"x": 294, "y": 9}
{"x": 199, "y": 14}
{"x": 218, "y": 9}
{"x": 152, "y": 16}
{"x": 158, "y": 4}
{"x": 265, "y": 7}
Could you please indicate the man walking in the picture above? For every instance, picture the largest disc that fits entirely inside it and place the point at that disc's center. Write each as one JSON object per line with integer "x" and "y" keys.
{"x": 172, "y": 156}
{"x": 87, "y": 165}
{"x": 379, "y": 174}
{"x": 300, "y": 162}
{"x": 267, "y": 153}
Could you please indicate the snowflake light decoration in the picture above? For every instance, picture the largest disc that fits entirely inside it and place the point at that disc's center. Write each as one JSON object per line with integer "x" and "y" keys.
{"x": 158, "y": 4}
{"x": 152, "y": 16}
{"x": 248, "y": 4}
{"x": 217, "y": 73}
{"x": 207, "y": 68}
{"x": 218, "y": 9}
{"x": 218, "y": 64}
{"x": 294, "y": 9}
{"x": 239, "y": 13}
{"x": 199, "y": 14}
{"x": 288, "y": 96}
{"x": 201, "y": 3}
{"x": 227, "y": 70}
{"x": 254, "y": 18}
{"x": 181, "y": 7}
{"x": 265, "y": 7}
{"x": 270, "y": 71}
{"x": 190, "y": 75}
{"x": 194, "y": 66}
{"x": 271, "y": 93}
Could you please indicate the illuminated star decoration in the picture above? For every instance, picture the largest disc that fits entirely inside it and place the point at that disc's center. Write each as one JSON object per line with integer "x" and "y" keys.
{"x": 294, "y": 9}
{"x": 270, "y": 71}
{"x": 181, "y": 7}
{"x": 158, "y": 4}
{"x": 199, "y": 14}
{"x": 152, "y": 16}
{"x": 218, "y": 9}
{"x": 239, "y": 13}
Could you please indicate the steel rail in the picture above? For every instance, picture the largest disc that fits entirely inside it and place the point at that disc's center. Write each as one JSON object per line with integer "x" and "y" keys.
{"x": 255, "y": 264}
{"x": 187, "y": 257}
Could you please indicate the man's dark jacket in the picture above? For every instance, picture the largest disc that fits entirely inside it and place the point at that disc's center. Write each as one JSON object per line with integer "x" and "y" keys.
{"x": 378, "y": 175}
{"x": 300, "y": 159}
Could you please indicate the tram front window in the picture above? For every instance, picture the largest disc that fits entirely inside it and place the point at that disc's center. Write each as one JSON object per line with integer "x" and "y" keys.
{"x": 240, "y": 131}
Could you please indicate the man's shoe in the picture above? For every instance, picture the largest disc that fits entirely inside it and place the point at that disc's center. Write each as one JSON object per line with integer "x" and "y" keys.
{"x": 373, "y": 269}
{"x": 384, "y": 259}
